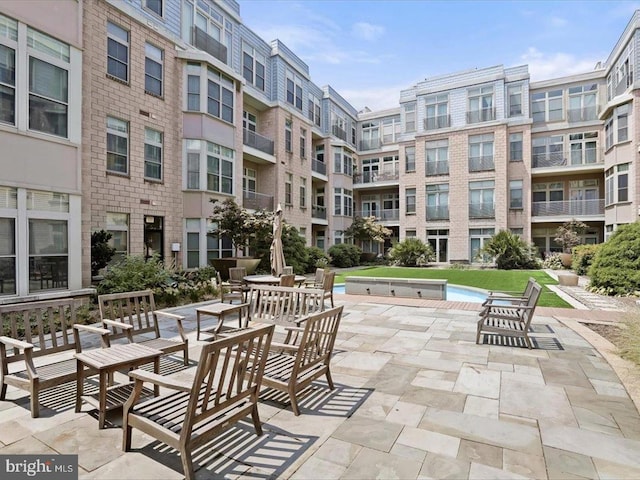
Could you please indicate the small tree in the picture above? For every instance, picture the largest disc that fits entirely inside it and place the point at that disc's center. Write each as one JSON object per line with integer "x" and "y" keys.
{"x": 366, "y": 229}
{"x": 510, "y": 251}
{"x": 101, "y": 251}
{"x": 411, "y": 252}
{"x": 568, "y": 234}
{"x": 231, "y": 220}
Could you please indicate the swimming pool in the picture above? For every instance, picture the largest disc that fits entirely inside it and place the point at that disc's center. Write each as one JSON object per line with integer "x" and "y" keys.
{"x": 455, "y": 293}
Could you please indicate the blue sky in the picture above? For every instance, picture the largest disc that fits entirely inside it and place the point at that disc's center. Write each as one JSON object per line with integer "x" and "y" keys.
{"x": 370, "y": 50}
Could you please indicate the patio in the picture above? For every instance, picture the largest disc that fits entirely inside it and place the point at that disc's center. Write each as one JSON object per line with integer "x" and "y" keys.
{"x": 415, "y": 397}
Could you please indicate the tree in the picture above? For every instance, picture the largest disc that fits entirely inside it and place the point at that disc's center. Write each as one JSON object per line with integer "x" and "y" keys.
{"x": 233, "y": 221}
{"x": 367, "y": 229}
{"x": 510, "y": 251}
{"x": 616, "y": 267}
{"x": 568, "y": 234}
{"x": 101, "y": 251}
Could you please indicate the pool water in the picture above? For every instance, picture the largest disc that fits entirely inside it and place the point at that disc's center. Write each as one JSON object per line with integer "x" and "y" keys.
{"x": 455, "y": 293}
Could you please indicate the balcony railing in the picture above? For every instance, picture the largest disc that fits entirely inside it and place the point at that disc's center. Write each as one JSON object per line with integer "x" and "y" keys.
{"x": 384, "y": 215}
{"x": 439, "y": 121}
{"x": 319, "y": 212}
{"x": 440, "y": 167}
{"x": 582, "y": 114}
{"x": 318, "y": 166}
{"x": 257, "y": 141}
{"x": 339, "y": 132}
{"x": 372, "y": 177}
{"x": 623, "y": 84}
{"x": 482, "y": 210}
{"x": 206, "y": 42}
{"x": 481, "y": 163}
{"x": 370, "y": 144}
{"x": 440, "y": 212}
{"x": 257, "y": 201}
{"x": 483, "y": 115}
{"x": 586, "y": 156}
{"x": 578, "y": 208}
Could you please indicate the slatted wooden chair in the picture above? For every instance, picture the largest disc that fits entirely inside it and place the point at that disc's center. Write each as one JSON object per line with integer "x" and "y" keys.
{"x": 510, "y": 320}
{"x": 316, "y": 281}
{"x": 495, "y": 298}
{"x": 229, "y": 292}
{"x": 327, "y": 285}
{"x": 293, "y": 365}
{"x": 287, "y": 280}
{"x": 224, "y": 390}
{"x": 237, "y": 282}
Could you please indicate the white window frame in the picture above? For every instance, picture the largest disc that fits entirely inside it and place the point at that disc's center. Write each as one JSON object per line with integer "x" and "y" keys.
{"x": 159, "y": 3}
{"x": 115, "y": 35}
{"x": 542, "y": 102}
{"x": 293, "y": 89}
{"x": 410, "y": 201}
{"x": 153, "y": 56}
{"x": 437, "y": 157}
{"x": 409, "y": 111}
{"x": 288, "y": 189}
{"x": 156, "y": 144}
{"x": 516, "y": 194}
{"x": 9, "y": 40}
{"x": 114, "y": 226}
{"x": 204, "y": 151}
{"x": 303, "y": 192}
{"x": 513, "y": 92}
{"x": 481, "y": 152}
{"x": 251, "y": 60}
{"x": 516, "y": 155}
{"x": 222, "y": 105}
{"x": 121, "y": 133}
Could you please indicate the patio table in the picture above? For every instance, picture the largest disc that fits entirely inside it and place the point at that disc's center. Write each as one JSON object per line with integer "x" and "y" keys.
{"x": 270, "y": 279}
{"x": 219, "y": 310}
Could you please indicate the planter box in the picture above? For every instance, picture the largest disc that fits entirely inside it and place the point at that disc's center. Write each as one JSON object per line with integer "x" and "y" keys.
{"x": 223, "y": 265}
{"x": 568, "y": 279}
{"x": 397, "y": 287}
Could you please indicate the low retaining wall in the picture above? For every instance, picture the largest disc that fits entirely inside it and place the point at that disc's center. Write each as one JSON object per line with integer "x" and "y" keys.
{"x": 396, "y": 287}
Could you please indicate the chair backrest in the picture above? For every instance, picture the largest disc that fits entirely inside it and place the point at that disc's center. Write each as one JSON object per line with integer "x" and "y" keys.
{"x": 529, "y": 288}
{"x": 327, "y": 281}
{"x": 134, "y": 308}
{"x": 527, "y": 314}
{"x": 287, "y": 270}
{"x": 237, "y": 274}
{"x": 229, "y": 370}
{"x": 288, "y": 280}
{"x": 318, "y": 281}
{"x": 283, "y": 305}
{"x": 317, "y": 341}
{"x": 223, "y": 292}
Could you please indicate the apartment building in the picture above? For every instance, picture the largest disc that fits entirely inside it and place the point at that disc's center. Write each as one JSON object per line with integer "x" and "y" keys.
{"x": 147, "y": 110}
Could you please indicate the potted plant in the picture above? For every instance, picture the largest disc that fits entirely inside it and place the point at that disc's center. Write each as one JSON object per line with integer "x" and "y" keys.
{"x": 568, "y": 236}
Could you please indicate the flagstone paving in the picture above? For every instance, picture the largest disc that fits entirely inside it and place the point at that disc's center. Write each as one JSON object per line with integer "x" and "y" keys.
{"x": 415, "y": 398}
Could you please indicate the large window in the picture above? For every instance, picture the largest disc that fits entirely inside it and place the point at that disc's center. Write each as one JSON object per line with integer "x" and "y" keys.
{"x": 343, "y": 202}
{"x": 210, "y": 20}
{"x": 515, "y": 194}
{"x": 478, "y": 237}
{"x": 439, "y": 241}
{"x": 410, "y": 117}
{"x": 410, "y": 200}
{"x": 117, "y": 52}
{"x": 582, "y": 103}
{"x": 209, "y": 166}
{"x": 213, "y": 94}
{"x": 343, "y": 162}
{"x": 514, "y": 97}
{"x": 253, "y": 64}
{"x": 117, "y": 145}
{"x": 515, "y": 147}
{"x": 8, "y": 45}
{"x": 370, "y": 136}
{"x": 438, "y": 202}
{"x": 118, "y": 227}
{"x": 153, "y": 62}
{"x": 288, "y": 189}
{"x": 548, "y": 151}
{"x": 481, "y": 152}
{"x": 152, "y": 154}
{"x": 546, "y": 106}
{"x": 294, "y": 90}
{"x": 617, "y": 184}
{"x": 481, "y": 108}
{"x": 437, "y": 157}
{"x": 410, "y": 159}
{"x": 390, "y": 129}
{"x": 437, "y": 113}
{"x": 583, "y": 148}
{"x": 481, "y": 199}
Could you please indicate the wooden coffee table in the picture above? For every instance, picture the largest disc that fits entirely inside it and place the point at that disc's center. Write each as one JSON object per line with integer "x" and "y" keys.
{"x": 219, "y": 310}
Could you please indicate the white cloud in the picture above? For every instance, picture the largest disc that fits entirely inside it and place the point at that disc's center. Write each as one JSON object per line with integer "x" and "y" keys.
{"x": 543, "y": 66}
{"x": 376, "y": 98}
{"x": 367, "y": 31}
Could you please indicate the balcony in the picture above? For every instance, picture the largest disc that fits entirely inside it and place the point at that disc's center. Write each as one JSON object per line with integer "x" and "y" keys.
{"x": 483, "y": 115}
{"x": 440, "y": 212}
{"x": 582, "y": 114}
{"x": 339, "y": 132}
{"x": 257, "y": 201}
{"x": 257, "y": 141}
{"x": 440, "y": 167}
{"x": 206, "y": 42}
{"x": 373, "y": 177}
{"x": 371, "y": 144}
{"x": 318, "y": 166}
{"x": 439, "y": 121}
{"x": 319, "y": 212}
{"x": 569, "y": 208}
{"x": 384, "y": 215}
{"x": 482, "y": 210}
{"x": 573, "y": 158}
{"x": 481, "y": 163}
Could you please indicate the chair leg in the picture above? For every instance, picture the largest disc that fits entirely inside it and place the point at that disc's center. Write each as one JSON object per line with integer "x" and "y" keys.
{"x": 332, "y": 305}
{"x": 256, "y": 419}
{"x": 294, "y": 402}
{"x": 35, "y": 403}
{"x": 126, "y": 434}
{"x": 186, "y": 354}
{"x": 329, "y": 379}
{"x": 3, "y": 389}
{"x": 187, "y": 464}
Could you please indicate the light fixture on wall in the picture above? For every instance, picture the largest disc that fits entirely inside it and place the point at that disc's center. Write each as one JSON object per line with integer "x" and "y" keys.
{"x": 149, "y": 219}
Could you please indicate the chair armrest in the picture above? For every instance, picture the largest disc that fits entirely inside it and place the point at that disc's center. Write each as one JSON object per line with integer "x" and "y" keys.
{"x": 170, "y": 315}
{"x": 10, "y": 342}
{"x": 89, "y": 328}
{"x": 103, "y": 332}
{"x": 115, "y": 323}
{"x": 294, "y": 329}
{"x": 160, "y": 380}
{"x": 283, "y": 346}
{"x": 509, "y": 307}
{"x": 177, "y": 318}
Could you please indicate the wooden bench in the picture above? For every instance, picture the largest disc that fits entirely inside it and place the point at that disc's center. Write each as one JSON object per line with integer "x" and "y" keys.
{"x": 42, "y": 330}
{"x": 133, "y": 315}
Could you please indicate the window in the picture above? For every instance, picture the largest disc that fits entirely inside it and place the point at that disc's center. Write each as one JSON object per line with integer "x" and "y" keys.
{"x": 370, "y": 136}
{"x": 477, "y": 239}
{"x": 154, "y": 5}
{"x": 515, "y": 194}
{"x": 437, "y": 112}
{"x": 217, "y": 247}
{"x": 8, "y": 35}
{"x": 193, "y": 87}
{"x": 219, "y": 95}
{"x": 546, "y": 106}
{"x": 515, "y": 147}
{"x": 343, "y": 202}
{"x": 409, "y": 234}
{"x": 117, "y": 52}
{"x": 622, "y": 120}
{"x": 193, "y": 242}
{"x": 437, "y": 157}
{"x": 48, "y": 253}
{"x": 547, "y": 192}
{"x": 193, "y": 170}
{"x": 547, "y": 151}
{"x": 481, "y": 105}
{"x": 118, "y": 227}
{"x": 288, "y": 189}
{"x": 253, "y": 64}
{"x": 410, "y": 117}
{"x": 249, "y": 121}
{"x": 338, "y": 126}
{"x": 343, "y": 162}
{"x": 213, "y": 159}
{"x": 582, "y": 103}
{"x": 153, "y": 70}
{"x": 481, "y": 199}
{"x": 249, "y": 180}
{"x": 390, "y": 129}
{"x": 294, "y": 90}
{"x": 617, "y": 180}
{"x": 303, "y": 144}
{"x": 207, "y": 18}
{"x": 314, "y": 110}
{"x": 288, "y": 136}
{"x": 390, "y": 206}
{"x": 623, "y": 183}
{"x": 410, "y": 159}
{"x": 410, "y": 195}
{"x": 481, "y": 152}
{"x": 353, "y": 134}
{"x": 621, "y": 76}
{"x": 117, "y": 146}
{"x": 152, "y": 154}
{"x": 8, "y": 202}
{"x": 514, "y": 97}
{"x": 583, "y": 148}
{"x": 303, "y": 192}
{"x": 438, "y": 201}
{"x": 439, "y": 241}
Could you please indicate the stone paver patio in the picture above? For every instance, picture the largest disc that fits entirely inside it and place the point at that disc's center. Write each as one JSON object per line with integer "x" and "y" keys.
{"x": 415, "y": 397}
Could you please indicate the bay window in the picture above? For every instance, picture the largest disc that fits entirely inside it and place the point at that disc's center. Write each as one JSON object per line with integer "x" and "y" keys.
{"x": 209, "y": 166}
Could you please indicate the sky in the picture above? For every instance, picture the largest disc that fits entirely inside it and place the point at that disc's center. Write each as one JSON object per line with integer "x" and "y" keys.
{"x": 369, "y": 50}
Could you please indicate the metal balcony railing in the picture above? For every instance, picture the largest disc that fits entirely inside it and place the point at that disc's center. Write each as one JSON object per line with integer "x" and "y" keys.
{"x": 439, "y": 121}
{"x": 482, "y": 210}
{"x": 257, "y": 141}
{"x": 440, "y": 167}
{"x": 440, "y": 212}
{"x": 483, "y": 115}
{"x": 576, "y": 157}
{"x": 318, "y": 166}
{"x": 577, "y": 208}
{"x": 319, "y": 212}
{"x": 384, "y": 215}
{"x": 372, "y": 177}
{"x": 582, "y": 114}
{"x": 371, "y": 144}
{"x": 339, "y": 132}
{"x": 257, "y": 201}
{"x": 481, "y": 163}
{"x": 206, "y": 42}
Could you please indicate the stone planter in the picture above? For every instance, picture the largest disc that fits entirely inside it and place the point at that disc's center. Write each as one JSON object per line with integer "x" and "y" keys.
{"x": 567, "y": 259}
{"x": 223, "y": 265}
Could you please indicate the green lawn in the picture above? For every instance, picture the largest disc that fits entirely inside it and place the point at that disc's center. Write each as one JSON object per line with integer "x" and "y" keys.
{"x": 508, "y": 281}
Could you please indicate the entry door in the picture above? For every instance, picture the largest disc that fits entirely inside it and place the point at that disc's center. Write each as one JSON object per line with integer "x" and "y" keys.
{"x": 153, "y": 236}
{"x": 370, "y": 208}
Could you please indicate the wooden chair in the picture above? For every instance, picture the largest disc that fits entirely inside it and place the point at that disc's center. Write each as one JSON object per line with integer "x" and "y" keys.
{"x": 510, "y": 320}
{"x": 287, "y": 271}
{"x": 288, "y": 280}
{"x": 228, "y": 291}
{"x": 502, "y": 299}
{"x": 327, "y": 285}
{"x": 224, "y": 390}
{"x": 236, "y": 279}
{"x": 317, "y": 281}
{"x": 302, "y": 362}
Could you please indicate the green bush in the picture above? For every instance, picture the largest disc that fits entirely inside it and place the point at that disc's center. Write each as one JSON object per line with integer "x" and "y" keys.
{"x": 615, "y": 270}
{"x": 583, "y": 256}
{"x": 101, "y": 251}
{"x": 553, "y": 262}
{"x": 411, "y": 252}
{"x": 510, "y": 252}
{"x": 345, "y": 255}
{"x": 295, "y": 250}
{"x": 316, "y": 259}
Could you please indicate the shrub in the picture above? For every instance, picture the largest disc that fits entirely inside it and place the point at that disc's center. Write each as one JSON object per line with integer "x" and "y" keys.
{"x": 295, "y": 251}
{"x": 316, "y": 259}
{"x": 134, "y": 273}
{"x": 411, "y": 252}
{"x": 583, "y": 256}
{"x": 101, "y": 251}
{"x": 615, "y": 270}
{"x": 510, "y": 251}
{"x": 345, "y": 255}
{"x": 553, "y": 262}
